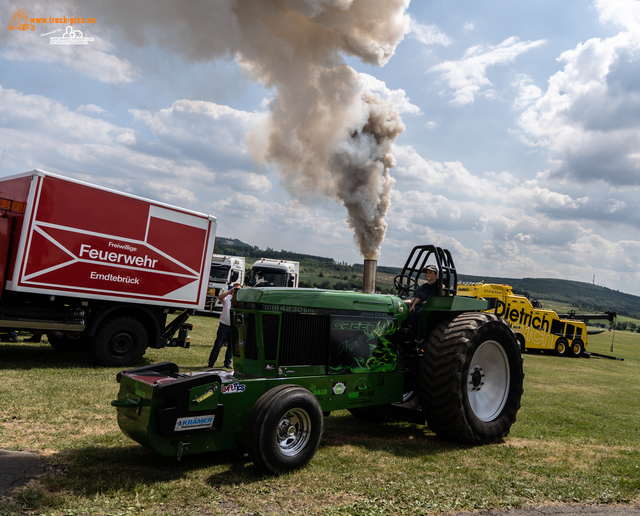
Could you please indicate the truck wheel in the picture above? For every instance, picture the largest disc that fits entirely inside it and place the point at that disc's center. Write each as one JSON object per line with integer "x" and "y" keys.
{"x": 284, "y": 429}
{"x": 470, "y": 381}
{"x": 562, "y": 347}
{"x": 522, "y": 342}
{"x": 120, "y": 342}
{"x": 576, "y": 348}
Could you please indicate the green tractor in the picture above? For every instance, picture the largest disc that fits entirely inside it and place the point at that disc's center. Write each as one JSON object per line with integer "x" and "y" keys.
{"x": 300, "y": 354}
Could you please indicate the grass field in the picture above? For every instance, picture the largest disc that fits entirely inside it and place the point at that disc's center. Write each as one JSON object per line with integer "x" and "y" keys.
{"x": 576, "y": 441}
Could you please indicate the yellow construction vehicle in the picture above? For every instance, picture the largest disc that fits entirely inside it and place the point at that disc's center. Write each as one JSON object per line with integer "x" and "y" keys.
{"x": 535, "y": 327}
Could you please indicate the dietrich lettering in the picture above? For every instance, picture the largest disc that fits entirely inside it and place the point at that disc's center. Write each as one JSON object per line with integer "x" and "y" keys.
{"x": 521, "y": 316}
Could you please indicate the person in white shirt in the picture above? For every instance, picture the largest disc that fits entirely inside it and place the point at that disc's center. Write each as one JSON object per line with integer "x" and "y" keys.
{"x": 224, "y": 328}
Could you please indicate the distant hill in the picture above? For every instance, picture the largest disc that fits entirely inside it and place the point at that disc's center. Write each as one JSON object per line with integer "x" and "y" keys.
{"x": 235, "y": 247}
{"x": 229, "y": 242}
{"x": 583, "y": 296}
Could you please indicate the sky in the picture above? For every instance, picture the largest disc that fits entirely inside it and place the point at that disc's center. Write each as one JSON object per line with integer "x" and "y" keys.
{"x": 505, "y": 131}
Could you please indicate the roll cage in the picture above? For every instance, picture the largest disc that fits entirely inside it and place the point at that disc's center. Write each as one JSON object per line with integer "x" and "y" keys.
{"x": 406, "y": 282}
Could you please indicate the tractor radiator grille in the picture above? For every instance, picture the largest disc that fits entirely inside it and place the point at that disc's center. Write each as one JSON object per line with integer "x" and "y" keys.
{"x": 250, "y": 345}
{"x": 305, "y": 339}
{"x": 270, "y": 328}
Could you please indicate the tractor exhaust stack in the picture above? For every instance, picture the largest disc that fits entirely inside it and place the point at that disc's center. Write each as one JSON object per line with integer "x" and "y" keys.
{"x": 369, "y": 276}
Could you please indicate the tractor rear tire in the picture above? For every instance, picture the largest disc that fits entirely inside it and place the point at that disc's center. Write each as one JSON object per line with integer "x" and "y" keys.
{"x": 471, "y": 376}
{"x": 284, "y": 429}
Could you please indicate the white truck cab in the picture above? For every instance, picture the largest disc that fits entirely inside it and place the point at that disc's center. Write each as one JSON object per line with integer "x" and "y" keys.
{"x": 225, "y": 271}
{"x": 270, "y": 272}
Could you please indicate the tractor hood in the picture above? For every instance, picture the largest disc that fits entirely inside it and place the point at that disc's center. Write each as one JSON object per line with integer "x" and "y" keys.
{"x": 307, "y": 300}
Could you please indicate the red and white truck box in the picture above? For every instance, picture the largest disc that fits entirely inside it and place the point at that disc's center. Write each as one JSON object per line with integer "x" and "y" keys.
{"x": 88, "y": 265}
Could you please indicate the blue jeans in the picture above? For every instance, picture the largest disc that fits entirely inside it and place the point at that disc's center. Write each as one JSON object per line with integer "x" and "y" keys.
{"x": 224, "y": 334}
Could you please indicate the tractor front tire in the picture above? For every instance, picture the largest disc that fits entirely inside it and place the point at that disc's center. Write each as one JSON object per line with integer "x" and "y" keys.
{"x": 471, "y": 376}
{"x": 284, "y": 429}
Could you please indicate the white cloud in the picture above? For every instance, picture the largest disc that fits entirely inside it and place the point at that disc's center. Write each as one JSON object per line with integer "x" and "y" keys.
{"x": 287, "y": 225}
{"x": 468, "y": 75}
{"x": 500, "y": 226}
{"x": 625, "y": 13}
{"x": 615, "y": 206}
{"x": 92, "y": 60}
{"x": 203, "y": 130}
{"x": 241, "y": 180}
{"x": 171, "y": 194}
{"x": 589, "y": 117}
{"x": 415, "y": 172}
{"x": 397, "y": 97}
{"x": 40, "y": 115}
{"x": 427, "y": 34}
{"x": 39, "y": 132}
{"x": 91, "y": 108}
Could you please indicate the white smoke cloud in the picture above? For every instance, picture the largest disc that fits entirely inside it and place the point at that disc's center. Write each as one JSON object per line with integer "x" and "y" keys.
{"x": 397, "y": 97}
{"x": 327, "y": 133}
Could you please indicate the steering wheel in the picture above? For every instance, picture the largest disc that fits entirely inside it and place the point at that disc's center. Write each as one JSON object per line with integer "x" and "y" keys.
{"x": 402, "y": 287}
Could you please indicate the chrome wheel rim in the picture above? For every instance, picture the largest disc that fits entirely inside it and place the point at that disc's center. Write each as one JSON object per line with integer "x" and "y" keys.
{"x": 294, "y": 431}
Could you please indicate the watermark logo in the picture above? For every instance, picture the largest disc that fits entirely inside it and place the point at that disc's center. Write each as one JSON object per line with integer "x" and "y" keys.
{"x": 70, "y": 37}
{"x": 20, "y": 21}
